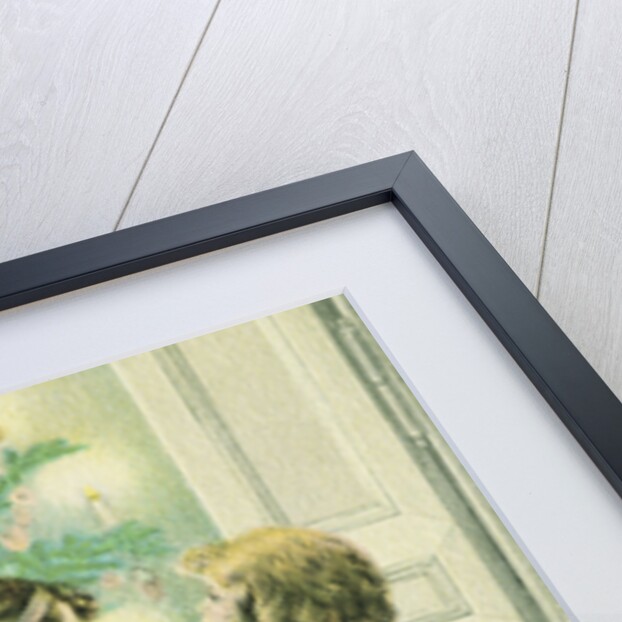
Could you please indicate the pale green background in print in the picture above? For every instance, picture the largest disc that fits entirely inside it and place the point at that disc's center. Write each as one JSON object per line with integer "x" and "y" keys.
{"x": 297, "y": 418}
{"x": 124, "y": 461}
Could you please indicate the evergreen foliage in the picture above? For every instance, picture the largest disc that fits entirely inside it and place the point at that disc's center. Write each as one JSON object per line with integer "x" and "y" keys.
{"x": 76, "y": 560}
{"x": 17, "y": 466}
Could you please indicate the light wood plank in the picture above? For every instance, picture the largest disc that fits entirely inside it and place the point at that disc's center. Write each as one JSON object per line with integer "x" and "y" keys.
{"x": 84, "y": 87}
{"x": 281, "y": 91}
{"x": 582, "y": 276}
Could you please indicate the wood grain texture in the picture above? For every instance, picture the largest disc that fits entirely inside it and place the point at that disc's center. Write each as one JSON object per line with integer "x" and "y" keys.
{"x": 84, "y": 87}
{"x": 282, "y": 91}
{"x": 582, "y": 275}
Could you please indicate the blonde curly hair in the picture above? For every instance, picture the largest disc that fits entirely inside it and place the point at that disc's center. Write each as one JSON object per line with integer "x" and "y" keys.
{"x": 287, "y": 574}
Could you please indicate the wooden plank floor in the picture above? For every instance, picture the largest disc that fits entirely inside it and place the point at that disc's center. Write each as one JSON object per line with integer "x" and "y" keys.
{"x": 114, "y": 116}
{"x": 582, "y": 277}
{"x": 281, "y": 91}
{"x": 111, "y": 116}
{"x": 84, "y": 87}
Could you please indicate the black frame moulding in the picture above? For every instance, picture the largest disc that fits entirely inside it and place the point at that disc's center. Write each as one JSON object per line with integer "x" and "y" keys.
{"x": 581, "y": 399}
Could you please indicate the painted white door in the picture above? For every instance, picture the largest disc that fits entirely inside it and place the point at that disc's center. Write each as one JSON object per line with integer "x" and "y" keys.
{"x": 271, "y": 425}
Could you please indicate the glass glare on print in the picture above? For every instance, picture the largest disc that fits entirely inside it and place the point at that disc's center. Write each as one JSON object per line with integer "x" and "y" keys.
{"x": 135, "y": 490}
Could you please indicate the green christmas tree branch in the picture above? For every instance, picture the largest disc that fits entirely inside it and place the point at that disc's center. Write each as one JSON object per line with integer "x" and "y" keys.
{"x": 80, "y": 559}
{"x": 18, "y": 466}
{"x": 77, "y": 559}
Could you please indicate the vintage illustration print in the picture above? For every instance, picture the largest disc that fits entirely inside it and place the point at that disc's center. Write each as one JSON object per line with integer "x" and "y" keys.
{"x": 276, "y": 471}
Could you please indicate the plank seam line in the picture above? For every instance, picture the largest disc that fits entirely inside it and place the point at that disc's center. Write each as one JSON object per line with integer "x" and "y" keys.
{"x": 167, "y": 115}
{"x": 547, "y": 218}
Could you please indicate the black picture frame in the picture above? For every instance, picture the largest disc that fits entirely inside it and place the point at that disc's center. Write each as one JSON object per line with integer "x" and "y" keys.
{"x": 572, "y": 388}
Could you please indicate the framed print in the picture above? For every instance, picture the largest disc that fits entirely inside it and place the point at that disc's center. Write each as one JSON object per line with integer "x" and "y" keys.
{"x": 322, "y": 400}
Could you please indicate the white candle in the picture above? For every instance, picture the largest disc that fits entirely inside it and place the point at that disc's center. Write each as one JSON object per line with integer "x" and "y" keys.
{"x": 99, "y": 506}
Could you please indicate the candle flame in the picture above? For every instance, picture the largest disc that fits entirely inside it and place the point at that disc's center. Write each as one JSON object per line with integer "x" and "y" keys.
{"x": 92, "y": 494}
